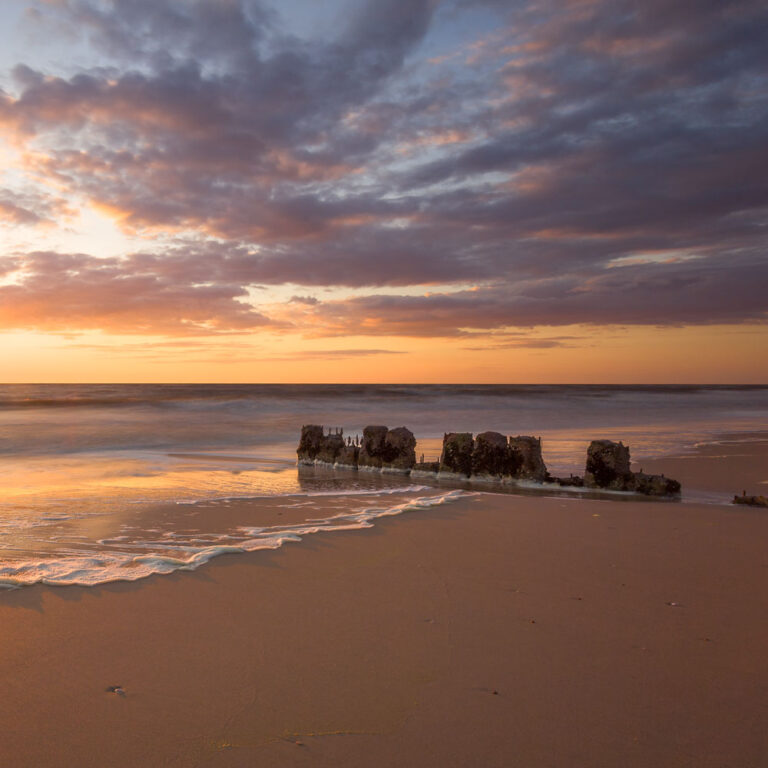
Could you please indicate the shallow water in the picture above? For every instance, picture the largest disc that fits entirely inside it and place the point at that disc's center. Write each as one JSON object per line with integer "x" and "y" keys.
{"x": 94, "y": 549}
{"x": 84, "y": 467}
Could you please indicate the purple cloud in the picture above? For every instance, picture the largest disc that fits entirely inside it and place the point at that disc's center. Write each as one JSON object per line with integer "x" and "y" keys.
{"x": 54, "y": 291}
{"x": 590, "y": 162}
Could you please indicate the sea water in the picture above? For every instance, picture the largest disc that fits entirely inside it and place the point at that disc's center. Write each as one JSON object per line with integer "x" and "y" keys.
{"x": 106, "y": 482}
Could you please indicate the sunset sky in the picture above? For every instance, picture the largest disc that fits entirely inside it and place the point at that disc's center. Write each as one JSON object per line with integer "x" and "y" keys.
{"x": 384, "y": 190}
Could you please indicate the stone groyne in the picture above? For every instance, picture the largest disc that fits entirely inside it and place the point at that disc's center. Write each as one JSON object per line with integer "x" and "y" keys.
{"x": 381, "y": 448}
{"x": 488, "y": 456}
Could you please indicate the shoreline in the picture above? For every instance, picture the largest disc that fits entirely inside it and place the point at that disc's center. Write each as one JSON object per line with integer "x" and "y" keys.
{"x": 613, "y": 634}
{"x": 748, "y": 456}
{"x": 502, "y": 629}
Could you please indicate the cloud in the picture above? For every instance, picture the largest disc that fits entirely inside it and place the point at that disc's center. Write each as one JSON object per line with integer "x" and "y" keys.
{"x": 13, "y": 213}
{"x": 673, "y": 293}
{"x": 207, "y": 291}
{"x": 227, "y": 33}
{"x": 331, "y": 354}
{"x": 30, "y": 208}
{"x": 585, "y": 162}
{"x": 230, "y": 350}
{"x": 519, "y": 341}
{"x": 55, "y": 291}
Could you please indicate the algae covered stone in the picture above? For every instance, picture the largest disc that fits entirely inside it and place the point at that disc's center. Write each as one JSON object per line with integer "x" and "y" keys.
{"x": 457, "y": 453}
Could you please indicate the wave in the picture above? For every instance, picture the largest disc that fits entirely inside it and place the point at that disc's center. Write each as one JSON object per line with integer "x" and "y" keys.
{"x": 109, "y": 566}
{"x": 311, "y": 494}
{"x": 22, "y": 396}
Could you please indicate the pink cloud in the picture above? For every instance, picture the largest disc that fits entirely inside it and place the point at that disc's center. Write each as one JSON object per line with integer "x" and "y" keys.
{"x": 75, "y": 292}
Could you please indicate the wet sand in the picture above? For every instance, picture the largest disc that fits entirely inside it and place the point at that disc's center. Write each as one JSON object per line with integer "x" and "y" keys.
{"x": 731, "y": 465}
{"x": 496, "y": 631}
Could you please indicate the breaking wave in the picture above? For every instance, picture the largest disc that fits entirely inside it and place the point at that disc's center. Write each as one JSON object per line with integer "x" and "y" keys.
{"x": 138, "y": 559}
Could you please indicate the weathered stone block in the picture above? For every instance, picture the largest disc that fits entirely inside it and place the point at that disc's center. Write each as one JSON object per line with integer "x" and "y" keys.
{"x": 654, "y": 485}
{"x": 372, "y": 449}
{"x": 490, "y": 455}
{"x": 348, "y": 456}
{"x": 751, "y": 501}
{"x": 310, "y": 443}
{"x": 316, "y": 446}
{"x": 608, "y": 466}
{"x": 525, "y": 461}
{"x": 457, "y": 453}
{"x": 330, "y": 449}
{"x": 399, "y": 451}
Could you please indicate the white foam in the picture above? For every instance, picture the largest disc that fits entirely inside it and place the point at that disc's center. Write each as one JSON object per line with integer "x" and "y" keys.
{"x": 110, "y": 566}
{"x": 308, "y": 494}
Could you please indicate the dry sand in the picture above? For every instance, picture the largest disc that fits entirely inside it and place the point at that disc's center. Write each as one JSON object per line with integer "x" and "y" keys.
{"x": 498, "y": 631}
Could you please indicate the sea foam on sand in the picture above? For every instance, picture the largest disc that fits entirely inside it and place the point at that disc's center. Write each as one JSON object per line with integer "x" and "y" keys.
{"x": 106, "y": 566}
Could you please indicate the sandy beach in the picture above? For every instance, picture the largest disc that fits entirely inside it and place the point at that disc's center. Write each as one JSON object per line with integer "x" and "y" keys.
{"x": 384, "y": 384}
{"x": 496, "y": 631}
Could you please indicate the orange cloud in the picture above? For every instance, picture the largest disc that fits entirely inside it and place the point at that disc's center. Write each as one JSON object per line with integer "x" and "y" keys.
{"x": 59, "y": 292}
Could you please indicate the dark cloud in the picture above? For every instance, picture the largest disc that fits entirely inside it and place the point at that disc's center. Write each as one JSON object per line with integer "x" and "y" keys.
{"x": 679, "y": 293}
{"x": 160, "y": 34}
{"x": 395, "y": 258}
{"x": 590, "y": 161}
{"x": 206, "y": 292}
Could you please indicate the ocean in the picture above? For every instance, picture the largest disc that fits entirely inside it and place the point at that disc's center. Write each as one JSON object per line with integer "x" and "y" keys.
{"x": 108, "y": 482}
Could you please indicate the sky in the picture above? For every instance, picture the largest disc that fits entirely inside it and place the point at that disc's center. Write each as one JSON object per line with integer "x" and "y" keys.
{"x": 384, "y": 190}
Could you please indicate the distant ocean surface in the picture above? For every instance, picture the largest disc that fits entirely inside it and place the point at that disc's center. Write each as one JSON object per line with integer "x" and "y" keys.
{"x": 81, "y": 466}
